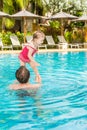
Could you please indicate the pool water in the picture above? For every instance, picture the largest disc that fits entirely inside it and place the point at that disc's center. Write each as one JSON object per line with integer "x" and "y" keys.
{"x": 61, "y": 102}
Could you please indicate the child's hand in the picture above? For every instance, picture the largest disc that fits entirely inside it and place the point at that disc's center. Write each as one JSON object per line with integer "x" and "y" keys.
{"x": 38, "y": 78}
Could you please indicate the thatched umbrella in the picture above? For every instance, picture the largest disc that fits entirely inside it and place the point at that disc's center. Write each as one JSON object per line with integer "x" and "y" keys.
{"x": 25, "y": 14}
{"x": 62, "y": 16}
{"x": 82, "y": 18}
{"x": 3, "y": 14}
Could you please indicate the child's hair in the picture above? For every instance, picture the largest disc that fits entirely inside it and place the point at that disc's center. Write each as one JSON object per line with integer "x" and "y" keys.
{"x": 38, "y": 34}
{"x": 22, "y": 74}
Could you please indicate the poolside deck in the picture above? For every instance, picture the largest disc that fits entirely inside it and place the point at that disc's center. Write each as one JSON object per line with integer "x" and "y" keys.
{"x": 45, "y": 50}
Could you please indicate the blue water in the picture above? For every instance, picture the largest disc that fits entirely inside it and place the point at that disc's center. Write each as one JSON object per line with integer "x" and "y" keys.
{"x": 61, "y": 102}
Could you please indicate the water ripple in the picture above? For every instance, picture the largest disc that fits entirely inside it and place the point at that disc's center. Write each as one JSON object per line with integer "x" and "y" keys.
{"x": 61, "y": 102}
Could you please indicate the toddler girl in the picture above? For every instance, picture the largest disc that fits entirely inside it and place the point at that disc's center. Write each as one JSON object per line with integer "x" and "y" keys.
{"x": 26, "y": 55}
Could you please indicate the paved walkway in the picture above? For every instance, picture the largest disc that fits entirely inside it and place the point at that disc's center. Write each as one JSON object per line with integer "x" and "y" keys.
{"x": 44, "y": 50}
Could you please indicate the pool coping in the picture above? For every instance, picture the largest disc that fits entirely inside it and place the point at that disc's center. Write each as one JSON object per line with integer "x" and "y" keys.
{"x": 44, "y": 50}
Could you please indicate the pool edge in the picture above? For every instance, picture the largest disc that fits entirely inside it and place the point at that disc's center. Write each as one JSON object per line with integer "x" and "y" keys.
{"x": 43, "y": 51}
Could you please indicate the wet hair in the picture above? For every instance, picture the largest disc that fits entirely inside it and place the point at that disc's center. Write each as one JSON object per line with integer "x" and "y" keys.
{"x": 22, "y": 74}
{"x": 38, "y": 34}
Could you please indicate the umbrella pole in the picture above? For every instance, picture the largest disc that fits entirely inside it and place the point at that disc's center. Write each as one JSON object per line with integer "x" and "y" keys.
{"x": 24, "y": 29}
{"x": 62, "y": 30}
{"x": 61, "y": 27}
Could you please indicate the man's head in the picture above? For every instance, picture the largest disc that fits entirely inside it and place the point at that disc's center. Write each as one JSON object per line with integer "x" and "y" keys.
{"x": 22, "y": 74}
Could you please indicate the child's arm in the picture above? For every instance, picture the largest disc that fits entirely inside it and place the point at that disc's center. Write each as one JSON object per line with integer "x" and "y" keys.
{"x": 31, "y": 58}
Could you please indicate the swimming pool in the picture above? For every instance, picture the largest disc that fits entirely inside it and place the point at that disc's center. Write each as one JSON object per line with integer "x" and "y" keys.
{"x": 61, "y": 102}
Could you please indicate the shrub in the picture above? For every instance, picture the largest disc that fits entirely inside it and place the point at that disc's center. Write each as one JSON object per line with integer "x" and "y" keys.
{"x": 68, "y": 36}
{"x": 6, "y": 38}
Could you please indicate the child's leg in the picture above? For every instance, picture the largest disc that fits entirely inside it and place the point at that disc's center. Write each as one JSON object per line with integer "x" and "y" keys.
{"x": 22, "y": 63}
{"x": 38, "y": 78}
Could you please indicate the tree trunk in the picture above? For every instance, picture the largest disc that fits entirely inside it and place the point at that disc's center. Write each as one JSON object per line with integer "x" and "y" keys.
{"x": 1, "y": 5}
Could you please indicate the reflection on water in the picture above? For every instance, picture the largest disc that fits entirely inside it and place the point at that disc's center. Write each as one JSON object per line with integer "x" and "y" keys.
{"x": 61, "y": 102}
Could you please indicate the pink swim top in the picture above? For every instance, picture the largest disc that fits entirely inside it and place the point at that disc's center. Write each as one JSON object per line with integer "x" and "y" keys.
{"x": 24, "y": 54}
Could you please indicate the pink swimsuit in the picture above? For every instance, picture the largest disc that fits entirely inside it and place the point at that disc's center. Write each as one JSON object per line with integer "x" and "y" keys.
{"x": 24, "y": 54}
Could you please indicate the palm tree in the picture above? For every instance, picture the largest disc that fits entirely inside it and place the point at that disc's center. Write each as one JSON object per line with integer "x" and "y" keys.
{"x": 1, "y": 7}
{"x": 34, "y": 6}
{"x": 13, "y": 6}
{"x": 1, "y": 4}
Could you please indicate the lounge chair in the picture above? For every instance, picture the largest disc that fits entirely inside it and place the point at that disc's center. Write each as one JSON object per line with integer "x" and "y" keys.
{"x": 85, "y": 45}
{"x": 74, "y": 45}
{"x": 42, "y": 46}
{"x": 2, "y": 46}
{"x": 50, "y": 41}
{"x": 62, "y": 42}
{"x": 15, "y": 41}
{"x": 28, "y": 38}
{"x": 65, "y": 45}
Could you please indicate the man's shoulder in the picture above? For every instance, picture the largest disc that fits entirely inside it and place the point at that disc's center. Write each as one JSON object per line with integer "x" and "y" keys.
{"x": 24, "y": 87}
{"x": 34, "y": 86}
{"x": 13, "y": 86}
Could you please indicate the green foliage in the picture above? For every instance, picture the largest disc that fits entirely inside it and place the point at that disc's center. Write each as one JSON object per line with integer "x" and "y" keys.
{"x": 78, "y": 24}
{"x": 8, "y": 6}
{"x": 6, "y": 38}
{"x": 20, "y": 36}
{"x": 29, "y": 33}
{"x": 54, "y": 24}
{"x": 20, "y": 3}
{"x": 68, "y": 36}
{"x": 75, "y": 7}
{"x": 0, "y": 35}
{"x": 79, "y": 13}
{"x": 9, "y": 23}
{"x": 75, "y": 36}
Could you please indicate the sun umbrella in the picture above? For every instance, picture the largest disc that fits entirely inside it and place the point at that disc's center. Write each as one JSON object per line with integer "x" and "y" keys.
{"x": 62, "y": 16}
{"x": 2, "y": 14}
{"x": 82, "y": 18}
{"x": 25, "y": 14}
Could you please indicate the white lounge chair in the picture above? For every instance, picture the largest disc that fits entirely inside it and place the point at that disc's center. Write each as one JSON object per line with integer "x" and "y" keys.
{"x": 50, "y": 41}
{"x": 2, "y": 46}
{"x": 15, "y": 41}
{"x": 62, "y": 42}
{"x": 71, "y": 45}
{"x": 85, "y": 44}
{"x": 42, "y": 46}
{"x": 29, "y": 38}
